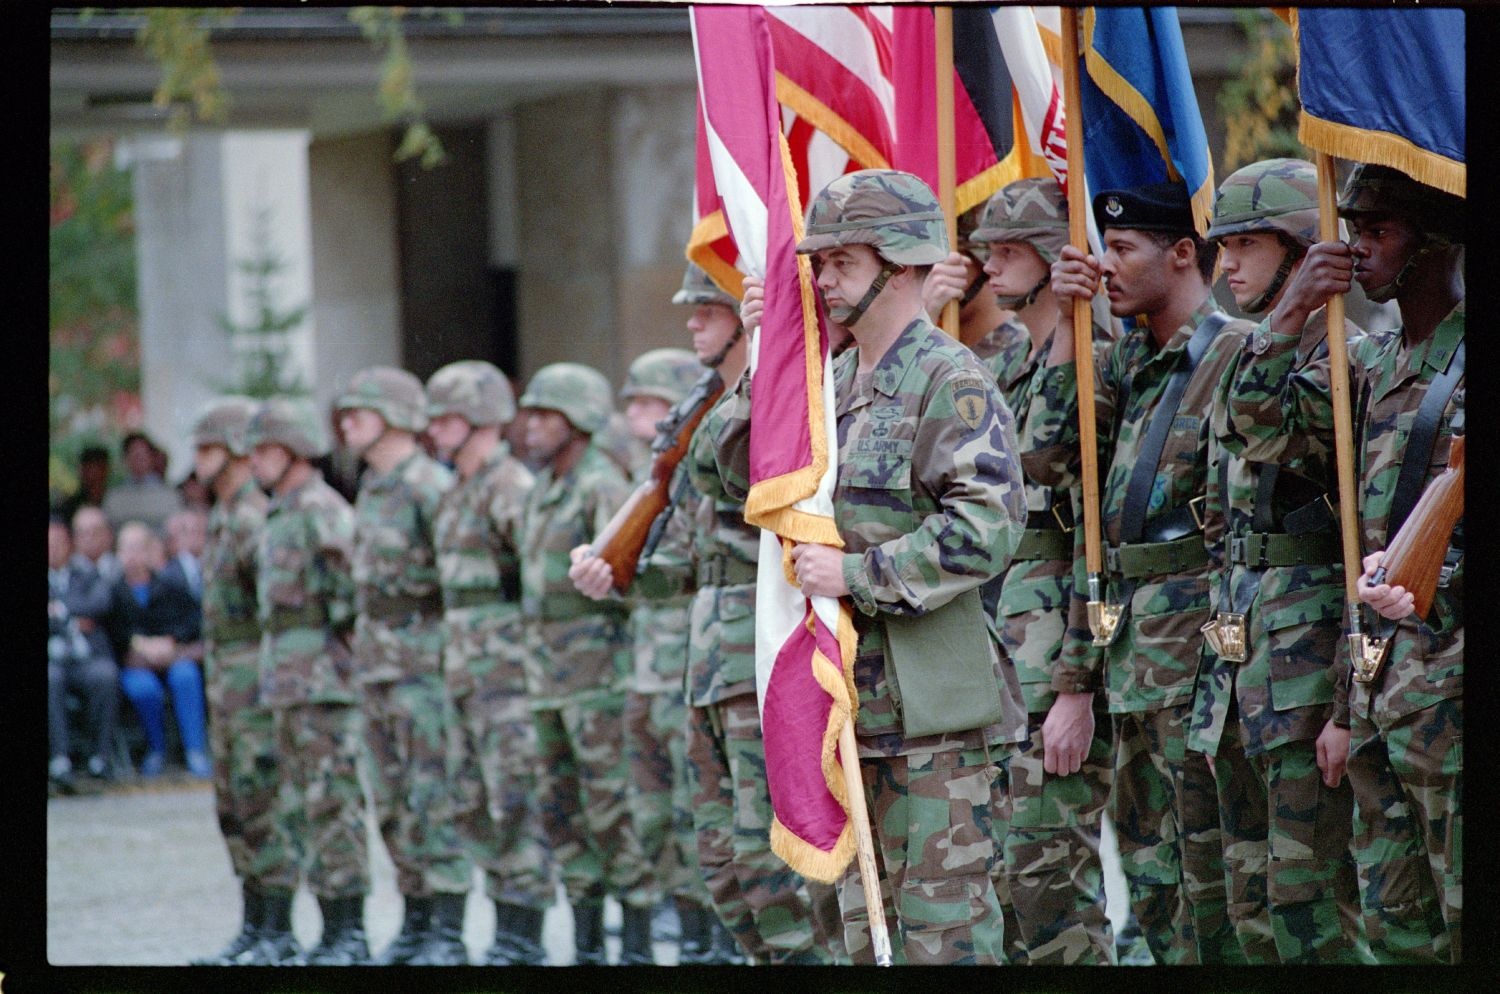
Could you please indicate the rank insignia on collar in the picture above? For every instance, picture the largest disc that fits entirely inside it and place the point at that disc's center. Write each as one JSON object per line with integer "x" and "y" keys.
{"x": 1113, "y": 207}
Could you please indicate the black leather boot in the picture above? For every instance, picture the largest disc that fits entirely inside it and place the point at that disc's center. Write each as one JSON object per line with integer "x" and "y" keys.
{"x": 696, "y": 943}
{"x": 409, "y": 941}
{"x": 343, "y": 942}
{"x": 518, "y": 937}
{"x": 234, "y": 953}
{"x": 277, "y": 945}
{"x": 635, "y": 937}
{"x": 588, "y": 932}
{"x": 444, "y": 945}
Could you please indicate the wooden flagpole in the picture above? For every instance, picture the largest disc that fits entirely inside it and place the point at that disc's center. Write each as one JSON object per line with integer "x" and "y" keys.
{"x": 942, "y": 20}
{"x": 1343, "y": 426}
{"x": 869, "y": 877}
{"x": 1083, "y": 344}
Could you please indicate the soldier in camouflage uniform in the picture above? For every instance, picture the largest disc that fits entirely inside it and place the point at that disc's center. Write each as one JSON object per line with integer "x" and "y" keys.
{"x": 241, "y": 731}
{"x": 930, "y": 505}
{"x": 774, "y": 914}
{"x": 1156, "y": 564}
{"x": 1405, "y": 754}
{"x": 655, "y": 709}
{"x": 398, "y": 641}
{"x": 476, "y": 533}
{"x": 578, "y": 663}
{"x": 305, "y": 607}
{"x": 961, "y": 277}
{"x": 1055, "y": 879}
{"x": 1264, "y": 714}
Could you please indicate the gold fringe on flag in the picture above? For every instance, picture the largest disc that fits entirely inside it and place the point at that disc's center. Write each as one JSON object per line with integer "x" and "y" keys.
{"x": 826, "y": 120}
{"x": 700, "y": 252}
{"x": 1384, "y": 148}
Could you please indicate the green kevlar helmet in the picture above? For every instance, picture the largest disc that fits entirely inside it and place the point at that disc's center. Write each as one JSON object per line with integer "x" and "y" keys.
{"x": 581, "y": 394}
{"x": 225, "y": 421}
{"x": 965, "y": 225}
{"x": 665, "y": 373}
{"x": 699, "y": 288}
{"x": 893, "y": 212}
{"x": 1375, "y": 189}
{"x": 1279, "y": 196}
{"x": 1033, "y": 211}
{"x": 474, "y": 390}
{"x": 394, "y": 394}
{"x": 292, "y": 422}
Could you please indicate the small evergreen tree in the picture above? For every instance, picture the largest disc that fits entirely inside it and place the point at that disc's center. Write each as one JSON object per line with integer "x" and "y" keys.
{"x": 262, "y": 344}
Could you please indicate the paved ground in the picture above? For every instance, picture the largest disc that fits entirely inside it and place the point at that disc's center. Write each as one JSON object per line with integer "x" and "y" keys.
{"x": 140, "y": 876}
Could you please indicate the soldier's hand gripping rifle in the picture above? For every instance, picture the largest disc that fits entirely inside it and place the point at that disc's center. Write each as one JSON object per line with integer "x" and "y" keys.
{"x": 1414, "y": 558}
{"x": 624, "y": 541}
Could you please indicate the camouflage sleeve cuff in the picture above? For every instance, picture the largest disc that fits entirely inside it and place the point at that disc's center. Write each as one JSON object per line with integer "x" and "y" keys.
{"x": 1072, "y": 680}
{"x": 857, "y": 579}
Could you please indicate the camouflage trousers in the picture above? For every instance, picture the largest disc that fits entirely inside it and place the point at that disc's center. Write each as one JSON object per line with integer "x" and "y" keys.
{"x": 320, "y": 814}
{"x": 1292, "y": 891}
{"x": 660, "y": 803}
{"x": 1165, "y": 810}
{"x": 406, "y": 732}
{"x": 495, "y": 808}
{"x": 242, "y": 741}
{"x": 772, "y": 911}
{"x": 583, "y": 779}
{"x": 1055, "y": 880}
{"x": 1407, "y": 775}
{"x": 937, "y": 847}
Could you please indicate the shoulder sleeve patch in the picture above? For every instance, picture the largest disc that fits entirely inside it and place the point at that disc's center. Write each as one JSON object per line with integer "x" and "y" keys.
{"x": 971, "y": 399}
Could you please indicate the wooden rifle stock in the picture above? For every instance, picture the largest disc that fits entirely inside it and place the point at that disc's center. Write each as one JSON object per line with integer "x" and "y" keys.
{"x": 621, "y": 541}
{"x": 1414, "y": 558}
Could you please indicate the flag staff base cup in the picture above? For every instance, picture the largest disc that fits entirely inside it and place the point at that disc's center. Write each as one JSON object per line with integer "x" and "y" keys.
{"x": 880, "y": 936}
{"x": 1225, "y": 634}
{"x": 1103, "y": 618}
{"x": 1366, "y": 653}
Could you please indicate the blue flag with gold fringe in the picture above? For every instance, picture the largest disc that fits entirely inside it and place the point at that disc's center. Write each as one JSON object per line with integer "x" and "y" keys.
{"x": 1141, "y": 122}
{"x": 1385, "y": 86}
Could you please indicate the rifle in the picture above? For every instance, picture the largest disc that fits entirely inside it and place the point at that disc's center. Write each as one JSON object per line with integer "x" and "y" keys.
{"x": 623, "y": 540}
{"x": 1414, "y": 558}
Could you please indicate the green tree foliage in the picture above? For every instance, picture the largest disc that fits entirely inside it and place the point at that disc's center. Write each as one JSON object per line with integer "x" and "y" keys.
{"x": 177, "y": 38}
{"x": 93, "y": 381}
{"x": 1259, "y": 105}
{"x": 398, "y": 97}
{"x": 262, "y": 344}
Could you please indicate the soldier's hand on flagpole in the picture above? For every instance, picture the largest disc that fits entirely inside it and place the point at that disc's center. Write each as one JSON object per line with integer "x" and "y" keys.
{"x": 1333, "y": 753}
{"x": 1075, "y": 276}
{"x": 1392, "y": 603}
{"x": 1326, "y": 272}
{"x": 590, "y": 573}
{"x": 820, "y": 570}
{"x": 946, "y": 281}
{"x": 753, "y": 303}
{"x": 1067, "y": 733}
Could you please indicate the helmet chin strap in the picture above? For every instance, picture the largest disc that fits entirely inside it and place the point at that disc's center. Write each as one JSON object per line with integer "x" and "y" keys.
{"x": 718, "y": 360}
{"x": 1387, "y": 291}
{"x": 1278, "y": 280}
{"x": 1021, "y": 301}
{"x": 974, "y": 287}
{"x": 291, "y": 460}
{"x": 887, "y": 270}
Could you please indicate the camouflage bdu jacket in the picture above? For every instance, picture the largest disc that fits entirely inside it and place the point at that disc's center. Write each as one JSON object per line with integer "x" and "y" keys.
{"x": 929, "y": 503}
{"x": 1388, "y": 380}
{"x": 577, "y": 646}
{"x": 721, "y": 657}
{"x": 1159, "y": 633}
{"x": 477, "y": 531}
{"x": 1285, "y": 687}
{"x": 1032, "y": 611}
{"x": 229, "y": 605}
{"x": 395, "y": 570}
{"x": 661, "y": 595}
{"x": 305, "y": 594}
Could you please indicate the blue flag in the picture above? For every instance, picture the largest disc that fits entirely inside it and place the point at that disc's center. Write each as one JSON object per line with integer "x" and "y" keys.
{"x": 1141, "y": 122}
{"x": 1385, "y": 86}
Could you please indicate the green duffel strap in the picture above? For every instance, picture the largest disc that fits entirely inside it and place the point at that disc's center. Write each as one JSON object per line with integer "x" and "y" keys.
{"x": 1261, "y": 549}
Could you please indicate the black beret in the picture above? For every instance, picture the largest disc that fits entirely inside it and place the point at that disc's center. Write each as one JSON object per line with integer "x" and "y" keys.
{"x": 1156, "y": 207}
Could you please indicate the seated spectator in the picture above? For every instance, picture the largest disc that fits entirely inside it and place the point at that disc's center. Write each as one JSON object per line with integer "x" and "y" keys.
{"x": 158, "y": 636}
{"x": 187, "y": 533}
{"x": 94, "y": 541}
{"x": 144, "y": 496}
{"x": 79, "y": 658}
{"x": 93, "y": 481}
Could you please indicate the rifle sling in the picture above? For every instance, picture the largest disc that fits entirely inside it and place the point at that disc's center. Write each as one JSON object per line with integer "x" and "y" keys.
{"x": 1420, "y": 442}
